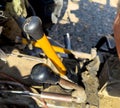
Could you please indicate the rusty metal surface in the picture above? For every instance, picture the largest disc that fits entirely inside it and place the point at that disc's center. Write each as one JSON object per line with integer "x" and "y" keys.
{"x": 59, "y": 104}
{"x": 58, "y": 97}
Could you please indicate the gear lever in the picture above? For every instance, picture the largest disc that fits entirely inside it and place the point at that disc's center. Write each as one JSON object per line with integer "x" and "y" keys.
{"x": 33, "y": 27}
{"x": 41, "y": 73}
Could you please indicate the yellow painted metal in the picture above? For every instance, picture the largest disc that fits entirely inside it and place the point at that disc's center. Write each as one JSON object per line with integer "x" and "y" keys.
{"x": 61, "y": 50}
{"x": 81, "y": 55}
{"x": 66, "y": 51}
{"x": 24, "y": 41}
{"x": 45, "y": 45}
{"x": 56, "y": 48}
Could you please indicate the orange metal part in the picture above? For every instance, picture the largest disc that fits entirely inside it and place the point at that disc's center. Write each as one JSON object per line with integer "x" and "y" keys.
{"x": 45, "y": 45}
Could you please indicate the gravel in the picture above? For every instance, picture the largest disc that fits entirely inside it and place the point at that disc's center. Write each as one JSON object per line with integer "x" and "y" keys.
{"x": 86, "y": 22}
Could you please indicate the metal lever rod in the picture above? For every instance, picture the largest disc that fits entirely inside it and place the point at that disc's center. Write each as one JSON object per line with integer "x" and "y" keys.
{"x": 33, "y": 27}
{"x": 44, "y": 95}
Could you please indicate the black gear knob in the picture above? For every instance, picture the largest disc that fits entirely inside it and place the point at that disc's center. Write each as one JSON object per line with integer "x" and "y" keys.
{"x": 33, "y": 27}
{"x": 41, "y": 73}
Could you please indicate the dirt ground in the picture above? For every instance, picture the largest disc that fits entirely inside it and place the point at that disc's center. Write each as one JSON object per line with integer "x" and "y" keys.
{"x": 86, "y": 21}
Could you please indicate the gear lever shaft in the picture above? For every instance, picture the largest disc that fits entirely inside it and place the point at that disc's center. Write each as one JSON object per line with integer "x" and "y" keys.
{"x": 33, "y": 27}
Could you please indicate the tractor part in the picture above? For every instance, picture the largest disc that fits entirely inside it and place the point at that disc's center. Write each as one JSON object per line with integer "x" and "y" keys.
{"x": 67, "y": 41}
{"x": 14, "y": 101}
{"x": 44, "y": 95}
{"x": 33, "y": 27}
{"x": 78, "y": 92}
{"x": 106, "y": 44}
{"x": 41, "y": 73}
{"x": 15, "y": 89}
{"x": 60, "y": 49}
{"x": 7, "y": 89}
